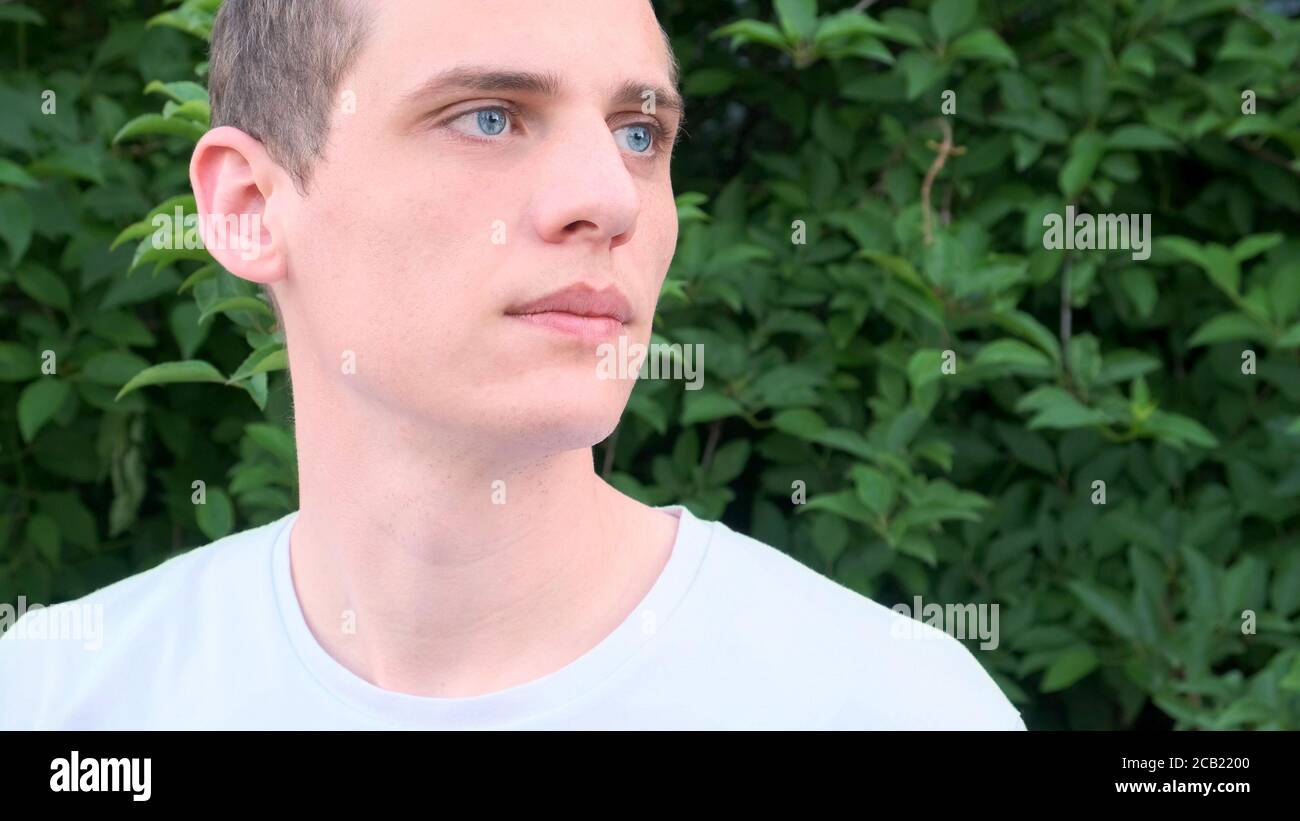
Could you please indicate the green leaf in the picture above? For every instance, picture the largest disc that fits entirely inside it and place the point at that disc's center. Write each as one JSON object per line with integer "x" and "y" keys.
{"x": 707, "y": 405}
{"x": 275, "y": 440}
{"x": 904, "y": 30}
{"x": 38, "y": 403}
{"x": 262, "y": 360}
{"x": 1255, "y": 245}
{"x": 1123, "y": 365}
{"x": 1027, "y": 327}
{"x": 951, "y": 17}
{"x": 918, "y": 546}
{"x": 216, "y": 517}
{"x": 13, "y": 174}
{"x": 1175, "y": 44}
{"x": 19, "y": 13}
{"x": 18, "y": 363}
{"x": 1007, "y": 357}
{"x": 43, "y": 534}
{"x": 1070, "y": 666}
{"x": 161, "y": 255}
{"x": 1086, "y": 152}
{"x": 1084, "y": 357}
{"x": 648, "y": 410}
{"x": 1291, "y": 681}
{"x": 1290, "y": 338}
{"x": 921, "y": 70}
{"x": 180, "y": 92}
{"x": 1029, "y": 448}
{"x": 145, "y": 227}
{"x": 800, "y": 422}
{"x": 112, "y": 368}
{"x": 15, "y": 223}
{"x": 874, "y": 489}
{"x": 983, "y": 44}
{"x": 867, "y": 47}
{"x": 753, "y": 31}
{"x": 829, "y": 536}
{"x": 1179, "y": 430}
{"x": 847, "y": 25}
{"x": 76, "y": 162}
{"x": 188, "y": 18}
{"x": 253, "y": 304}
{"x": 1106, "y": 606}
{"x": 193, "y": 370}
{"x": 1140, "y": 287}
{"x": 1139, "y": 59}
{"x": 898, "y": 266}
{"x": 1223, "y": 269}
{"x": 729, "y": 461}
{"x": 1057, "y": 408}
{"x": 707, "y": 82}
{"x": 1182, "y": 248}
{"x": 798, "y": 18}
{"x": 121, "y": 328}
{"x": 842, "y": 503}
{"x": 44, "y": 286}
{"x": 924, "y": 367}
{"x": 1201, "y": 593}
{"x": 151, "y": 124}
{"x": 1134, "y": 137}
{"x": 196, "y": 111}
{"x": 1228, "y": 327}
{"x": 1042, "y": 124}
{"x": 185, "y": 327}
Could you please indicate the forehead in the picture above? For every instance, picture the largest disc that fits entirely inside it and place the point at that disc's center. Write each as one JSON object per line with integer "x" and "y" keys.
{"x": 589, "y": 45}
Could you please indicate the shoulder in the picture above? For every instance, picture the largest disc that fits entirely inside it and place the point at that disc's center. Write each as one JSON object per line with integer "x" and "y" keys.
{"x": 873, "y": 667}
{"x": 119, "y": 633}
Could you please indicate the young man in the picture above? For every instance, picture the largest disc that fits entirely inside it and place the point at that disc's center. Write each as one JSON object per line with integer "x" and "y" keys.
{"x": 464, "y": 198}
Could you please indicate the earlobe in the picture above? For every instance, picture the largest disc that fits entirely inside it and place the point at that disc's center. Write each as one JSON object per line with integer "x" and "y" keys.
{"x": 233, "y": 178}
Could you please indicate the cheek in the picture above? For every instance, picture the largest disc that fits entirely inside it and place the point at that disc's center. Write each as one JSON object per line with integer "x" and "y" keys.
{"x": 659, "y": 221}
{"x": 670, "y": 235}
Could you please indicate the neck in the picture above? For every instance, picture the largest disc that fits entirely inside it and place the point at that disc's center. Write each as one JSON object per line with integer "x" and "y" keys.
{"x": 434, "y": 566}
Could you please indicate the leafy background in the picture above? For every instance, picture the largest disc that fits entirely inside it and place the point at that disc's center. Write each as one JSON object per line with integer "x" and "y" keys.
{"x": 824, "y": 358}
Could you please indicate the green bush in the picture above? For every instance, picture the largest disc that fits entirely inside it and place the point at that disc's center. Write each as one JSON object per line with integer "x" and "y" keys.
{"x": 1099, "y": 442}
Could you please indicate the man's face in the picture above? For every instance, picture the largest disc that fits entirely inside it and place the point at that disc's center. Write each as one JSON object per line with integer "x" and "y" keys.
{"x": 498, "y": 154}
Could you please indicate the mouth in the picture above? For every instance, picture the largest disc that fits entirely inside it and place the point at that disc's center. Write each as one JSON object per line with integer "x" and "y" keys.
{"x": 578, "y": 311}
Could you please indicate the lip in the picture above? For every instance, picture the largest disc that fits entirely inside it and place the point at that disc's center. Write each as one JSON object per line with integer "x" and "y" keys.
{"x": 578, "y": 310}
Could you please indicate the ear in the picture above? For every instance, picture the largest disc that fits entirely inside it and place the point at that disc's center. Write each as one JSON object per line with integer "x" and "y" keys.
{"x": 241, "y": 193}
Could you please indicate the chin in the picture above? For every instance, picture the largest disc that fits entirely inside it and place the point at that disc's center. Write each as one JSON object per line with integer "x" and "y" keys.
{"x": 577, "y": 415}
{"x": 570, "y": 433}
{"x": 553, "y": 414}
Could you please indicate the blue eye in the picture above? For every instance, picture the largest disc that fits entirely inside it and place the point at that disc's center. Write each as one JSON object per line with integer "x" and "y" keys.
{"x": 492, "y": 121}
{"x": 639, "y": 138}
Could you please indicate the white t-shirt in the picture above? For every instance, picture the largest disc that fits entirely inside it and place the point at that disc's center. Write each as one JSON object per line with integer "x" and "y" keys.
{"x": 734, "y": 634}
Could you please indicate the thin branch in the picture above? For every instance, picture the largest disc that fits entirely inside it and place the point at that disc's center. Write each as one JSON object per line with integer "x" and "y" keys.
{"x": 945, "y": 150}
{"x": 610, "y": 444}
{"x": 715, "y": 433}
{"x": 1067, "y": 315}
{"x": 1269, "y": 156}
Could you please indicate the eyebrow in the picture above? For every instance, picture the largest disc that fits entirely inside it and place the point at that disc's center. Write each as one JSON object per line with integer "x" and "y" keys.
{"x": 543, "y": 84}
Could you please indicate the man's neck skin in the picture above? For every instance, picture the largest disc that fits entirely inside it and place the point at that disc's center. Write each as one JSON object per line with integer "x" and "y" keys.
{"x": 451, "y": 594}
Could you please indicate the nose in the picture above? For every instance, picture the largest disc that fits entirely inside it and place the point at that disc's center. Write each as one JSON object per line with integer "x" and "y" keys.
{"x": 585, "y": 192}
